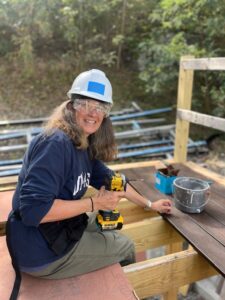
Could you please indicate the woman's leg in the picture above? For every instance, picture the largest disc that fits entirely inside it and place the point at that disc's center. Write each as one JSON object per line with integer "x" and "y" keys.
{"x": 96, "y": 249}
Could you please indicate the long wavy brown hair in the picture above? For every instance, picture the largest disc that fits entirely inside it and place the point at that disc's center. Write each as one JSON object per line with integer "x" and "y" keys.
{"x": 101, "y": 144}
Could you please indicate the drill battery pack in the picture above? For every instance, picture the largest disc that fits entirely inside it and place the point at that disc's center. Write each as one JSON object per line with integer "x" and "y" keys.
{"x": 109, "y": 220}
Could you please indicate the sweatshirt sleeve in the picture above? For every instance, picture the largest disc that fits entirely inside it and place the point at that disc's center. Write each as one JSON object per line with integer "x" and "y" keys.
{"x": 44, "y": 178}
{"x": 99, "y": 174}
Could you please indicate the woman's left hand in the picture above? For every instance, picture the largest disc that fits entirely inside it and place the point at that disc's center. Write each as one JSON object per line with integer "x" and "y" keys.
{"x": 162, "y": 206}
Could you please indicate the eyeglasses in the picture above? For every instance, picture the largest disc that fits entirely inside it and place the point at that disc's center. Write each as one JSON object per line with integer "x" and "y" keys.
{"x": 86, "y": 105}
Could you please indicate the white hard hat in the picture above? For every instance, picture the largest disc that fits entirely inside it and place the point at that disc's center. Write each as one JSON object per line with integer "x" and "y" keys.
{"x": 93, "y": 84}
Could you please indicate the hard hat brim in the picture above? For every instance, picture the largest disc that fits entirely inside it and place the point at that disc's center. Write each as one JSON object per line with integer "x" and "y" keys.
{"x": 91, "y": 95}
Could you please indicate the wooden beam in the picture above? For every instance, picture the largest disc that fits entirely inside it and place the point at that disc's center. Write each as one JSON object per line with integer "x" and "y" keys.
{"x": 151, "y": 233}
{"x": 8, "y": 183}
{"x": 134, "y": 213}
{"x": 7, "y": 188}
{"x": 213, "y": 63}
{"x": 159, "y": 275}
{"x": 140, "y": 164}
{"x": 208, "y": 173}
{"x": 185, "y": 86}
{"x": 8, "y": 180}
{"x": 201, "y": 119}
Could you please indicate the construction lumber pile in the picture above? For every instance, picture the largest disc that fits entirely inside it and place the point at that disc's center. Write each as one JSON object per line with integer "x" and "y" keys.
{"x": 138, "y": 135}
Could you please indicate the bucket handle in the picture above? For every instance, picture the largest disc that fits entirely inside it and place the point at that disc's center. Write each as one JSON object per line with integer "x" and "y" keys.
{"x": 192, "y": 194}
{"x": 207, "y": 195}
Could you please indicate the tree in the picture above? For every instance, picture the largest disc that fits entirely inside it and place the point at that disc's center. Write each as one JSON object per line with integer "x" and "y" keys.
{"x": 176, "y": 28}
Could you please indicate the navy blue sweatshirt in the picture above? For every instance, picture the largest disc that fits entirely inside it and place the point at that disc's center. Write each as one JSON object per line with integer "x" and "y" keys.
{"x": 53, "y": 168}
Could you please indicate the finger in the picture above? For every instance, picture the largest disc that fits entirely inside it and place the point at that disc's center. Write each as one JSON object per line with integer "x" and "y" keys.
{"x": 102, "y": 190}
{"x": 168, "y": 209}
{"x": 167, "y": 203}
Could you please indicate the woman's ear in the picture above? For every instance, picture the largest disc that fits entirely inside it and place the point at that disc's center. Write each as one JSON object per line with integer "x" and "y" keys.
{"x": 69, "y": 106}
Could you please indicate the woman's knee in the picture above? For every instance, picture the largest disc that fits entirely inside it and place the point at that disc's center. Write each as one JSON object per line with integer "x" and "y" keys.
{"x": 126, "y": 248}
{"x": 129, "y": 256}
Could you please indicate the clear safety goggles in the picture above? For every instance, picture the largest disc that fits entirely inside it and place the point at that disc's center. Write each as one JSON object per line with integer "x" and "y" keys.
{"x": 87, "y": 106}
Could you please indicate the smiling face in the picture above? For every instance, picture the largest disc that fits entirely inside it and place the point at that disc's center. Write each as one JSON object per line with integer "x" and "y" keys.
{"x": 89, "y": 115}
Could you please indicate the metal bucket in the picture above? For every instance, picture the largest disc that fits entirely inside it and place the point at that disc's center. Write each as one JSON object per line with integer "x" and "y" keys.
{"x": 190, "y": 194}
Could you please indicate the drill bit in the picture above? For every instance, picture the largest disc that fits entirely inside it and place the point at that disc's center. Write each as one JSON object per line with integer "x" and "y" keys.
{"x": 139, "y": 179}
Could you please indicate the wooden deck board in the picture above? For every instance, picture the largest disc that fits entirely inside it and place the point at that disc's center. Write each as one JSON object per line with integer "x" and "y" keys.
{"x": 205, "y": 231}
{"x": 210, "y": 225}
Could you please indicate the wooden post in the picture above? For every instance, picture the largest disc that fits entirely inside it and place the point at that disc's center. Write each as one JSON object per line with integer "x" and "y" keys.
{"x": 172, "y": 294}
{"x": 185, "y": 86}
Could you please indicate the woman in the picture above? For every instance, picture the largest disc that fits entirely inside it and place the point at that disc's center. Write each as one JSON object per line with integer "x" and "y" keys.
{"x": 51, "y": 235}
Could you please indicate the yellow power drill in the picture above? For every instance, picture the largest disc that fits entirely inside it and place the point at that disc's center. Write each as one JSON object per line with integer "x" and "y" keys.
{"x": 111, "y": 219}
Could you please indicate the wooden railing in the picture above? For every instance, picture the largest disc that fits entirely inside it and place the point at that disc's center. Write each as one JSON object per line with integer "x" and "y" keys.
{"x": 184, "y": 113}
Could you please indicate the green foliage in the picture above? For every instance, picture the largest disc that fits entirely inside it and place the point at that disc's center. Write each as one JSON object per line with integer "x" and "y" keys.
{"x": 176, "y": 28}
{"x": 141, "y": 36}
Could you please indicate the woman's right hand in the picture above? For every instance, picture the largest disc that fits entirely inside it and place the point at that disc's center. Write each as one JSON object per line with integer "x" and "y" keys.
{"x": 162, "y": 206}
{"x": 107, "y": 200}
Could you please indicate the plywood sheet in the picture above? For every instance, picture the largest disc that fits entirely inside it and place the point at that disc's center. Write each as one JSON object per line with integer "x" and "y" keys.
{"x": 108, "y": 283}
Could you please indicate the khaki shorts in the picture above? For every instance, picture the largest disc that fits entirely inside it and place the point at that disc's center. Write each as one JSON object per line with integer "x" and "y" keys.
{"x": 96, "y": 249}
